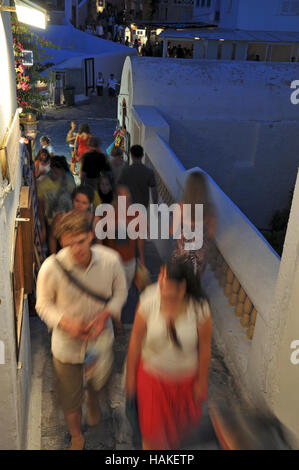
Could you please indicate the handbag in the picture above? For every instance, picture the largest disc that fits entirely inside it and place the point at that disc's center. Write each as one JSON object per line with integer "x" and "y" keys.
{"x": 108, "y": 149}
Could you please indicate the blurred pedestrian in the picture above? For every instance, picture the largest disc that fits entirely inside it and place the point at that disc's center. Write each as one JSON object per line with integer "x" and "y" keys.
{"x": 79, "y": 290}
{"x": 100, "y": 84}
{"x": 180, "y": 52}
{"x": 42, "y": 164}
{"x": 117, "y": 163}
{"x": 136, "y": 45}
{"x": 112, "y": 82}
{"x": 45, "y": 143}
{"x": 139, "y": 179}
{"x": 195, "y": 193}
{"x": 106, "y": 188}
{"x": 125, "y": 246}
{"x": 111, "y": 21}
{"x": 81, "y": 143}
{"x": 71, "y": 138}
{"x": 54, "y": 194}
{"x": 83, "y": 200}
{"x": 169, "y": 357}
{"x": 100, "y": 31}
{"x": 93, "y": 163}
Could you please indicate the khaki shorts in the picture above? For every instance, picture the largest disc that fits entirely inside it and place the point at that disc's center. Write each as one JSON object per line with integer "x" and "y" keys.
{"x": 68, "y": 381}
{"x": 69, "y": 378}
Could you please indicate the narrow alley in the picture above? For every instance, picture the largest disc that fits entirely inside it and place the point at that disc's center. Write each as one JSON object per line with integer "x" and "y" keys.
{"x": 47, "y": 429}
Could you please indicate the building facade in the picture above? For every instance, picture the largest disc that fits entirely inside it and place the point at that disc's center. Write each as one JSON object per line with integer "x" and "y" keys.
{"x": 173, "y": 11}
{"x": 75, "y": 11}
{"x": 15, "y": 355}
{"x": 176, "y": 11}
{"x": 207, "y": 11}
{"x": 221, "y": 44}
{"x": 268, "y": 15}
{"x": 263, "y": 31}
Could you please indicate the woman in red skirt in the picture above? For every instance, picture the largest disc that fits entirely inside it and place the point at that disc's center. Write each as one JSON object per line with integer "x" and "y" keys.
{"x": 169, "y": 357}
{"x": 81, "y": 144}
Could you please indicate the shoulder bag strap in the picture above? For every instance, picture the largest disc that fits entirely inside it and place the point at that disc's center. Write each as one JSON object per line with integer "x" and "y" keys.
{"x": 80, "y": 286}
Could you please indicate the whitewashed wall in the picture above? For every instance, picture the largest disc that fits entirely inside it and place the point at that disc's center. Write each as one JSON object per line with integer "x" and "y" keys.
{"x": 14, "y": 382}
{"x": 257, "y": 16}
{"x": 7, "y": 89}
{"x": 281, "y": 376}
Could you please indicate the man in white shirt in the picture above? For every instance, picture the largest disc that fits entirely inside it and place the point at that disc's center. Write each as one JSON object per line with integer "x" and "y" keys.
{"x": 100, "y": 84}
{"x": 112, "y": 82}
{"x": 79, "y": 290}
{"x": 100, "y": 30}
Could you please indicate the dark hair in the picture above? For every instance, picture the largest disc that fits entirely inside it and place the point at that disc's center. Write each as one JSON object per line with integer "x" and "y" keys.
{"x": 94, "y": 142}
{"x": 45, "y": 138}
{"x": 196, "y": 191}
{"x": 41, "y": 150}
{"x": 84, "y": 128}
{"x": 182, "y": 270}
{"x": 74, "y": 222}
{"x": 136, "y": 151}
{"x": 84, "y": 189}
{"x": 59, "y": 161}
{"x": 179, "y": 271}
{"x": 109, "y": 197}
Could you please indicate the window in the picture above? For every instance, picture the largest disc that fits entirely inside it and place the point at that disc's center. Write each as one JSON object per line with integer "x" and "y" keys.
{"x": 197, "y": 3}
{"x": 289, "y": 7}
{"x": 27, "y": 58}
{"x": 203, "y": 3}
{"x": 208, "y": 3}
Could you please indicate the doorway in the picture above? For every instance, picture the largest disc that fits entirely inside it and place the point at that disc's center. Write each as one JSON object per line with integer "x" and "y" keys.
{"x": 89, "y": 75}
